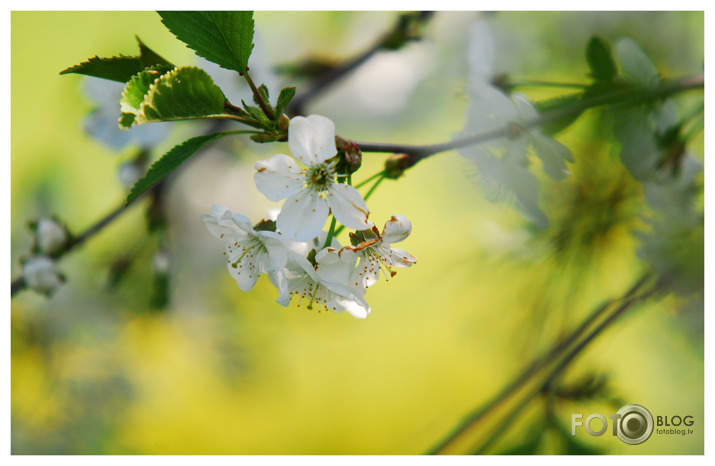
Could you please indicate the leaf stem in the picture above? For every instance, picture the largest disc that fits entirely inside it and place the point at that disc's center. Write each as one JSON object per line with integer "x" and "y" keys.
{"x": 265, "y": 106}
{"x": 369, "y": 179}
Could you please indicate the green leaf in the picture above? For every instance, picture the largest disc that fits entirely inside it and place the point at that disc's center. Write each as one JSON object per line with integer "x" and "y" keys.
{"x": 172, "y": 159}
{"x": 181, "y": 94}
{"x": 137, "y": 88}
{"x": 284, "y": 99}
{"x": 263, "y": 92}
{"x": 223, "y": 37}
{"x": 258, "y": 115}
{"x": 119, "y": 68}
{"x": 600, "y": 60}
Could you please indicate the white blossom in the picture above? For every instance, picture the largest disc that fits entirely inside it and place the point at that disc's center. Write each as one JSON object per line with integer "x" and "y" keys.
{"x": 249, "y": 252}
{"x": 50, "y": 236}
{"x": 328, "y": 283}
{"x": 312, "y": 191}
{"x": 40, "y": 274}
{"x": 503, "y": 162}
{"x": 376, "y": 253}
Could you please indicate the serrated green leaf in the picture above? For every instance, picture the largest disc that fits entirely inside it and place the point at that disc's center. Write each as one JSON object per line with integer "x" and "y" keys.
{"x": 126, "y": 120}
{"x": 284, "y": 99}
{"x": 182, "y": 94}
{"x": 223, "y": 37}
{"x": 137, "y": 88}
{"x": 600, "y": 60}
{"x": 119, "y": 68}
{"x": 257, "y": 114}
{"x": 172, "y": 159}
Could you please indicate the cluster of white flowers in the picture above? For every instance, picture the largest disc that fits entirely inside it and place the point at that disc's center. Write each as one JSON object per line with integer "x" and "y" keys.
{"x": 292, "y": 251}
{"x": 39, "y": 271}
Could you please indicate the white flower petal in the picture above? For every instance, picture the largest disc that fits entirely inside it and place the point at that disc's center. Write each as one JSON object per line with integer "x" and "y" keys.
{"x": 527, "y": 111}
{"x": 303, "y": 216}
{"x": 356, "y": 309}
{"x": 552, "y": 154}
{"x": 400, "y": 258}
{"x": 222, "y": 223}
{"x": 277, "y": 251}
{"x": 312, "y": 139}
{"x": 245, "y": 271}
{"x": 335, "y": 267}
{"x": 278, "y": 279}
{"x": 481, "y": 51}
{"x": 278, "y": 177}
{"x": 348, "y": 206}
{"x": 396, "y": 229}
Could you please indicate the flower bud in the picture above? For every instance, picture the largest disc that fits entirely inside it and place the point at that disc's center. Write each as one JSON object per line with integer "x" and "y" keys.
{"x": 349, "y": 156}
{"x": 39, "y": 274}
{"x": 397, "y": 164}
{"x": 50, "y": 236}
{"x": 396, "y": 229}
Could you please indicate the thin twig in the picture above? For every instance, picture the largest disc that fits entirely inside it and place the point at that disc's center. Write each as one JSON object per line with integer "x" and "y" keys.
{"x": 560, "y": 368}
{"x": 624, "y": 97}
{"x": 537, "y": 365}
{"x": 328, "y": 79}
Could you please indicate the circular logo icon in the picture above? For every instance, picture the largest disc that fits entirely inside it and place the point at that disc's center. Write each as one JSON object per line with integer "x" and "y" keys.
{"x": 635, "y": 425}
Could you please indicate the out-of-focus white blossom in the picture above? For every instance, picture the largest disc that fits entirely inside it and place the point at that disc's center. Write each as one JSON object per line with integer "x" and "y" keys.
{"x": 40, "y": 274}
{"x": 50, "y": 236}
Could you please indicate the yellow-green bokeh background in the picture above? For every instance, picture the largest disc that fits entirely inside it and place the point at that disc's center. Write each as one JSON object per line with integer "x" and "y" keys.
{"x": 226, "y": 372}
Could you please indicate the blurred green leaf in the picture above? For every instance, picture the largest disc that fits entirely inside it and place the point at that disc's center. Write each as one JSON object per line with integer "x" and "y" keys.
{"x": 182, "y": 94}
{"x": 600, "y": 60}
{"x": 223, "y": 37}
{"x": 172, "y": 159}
{"x": 635, "y": 64}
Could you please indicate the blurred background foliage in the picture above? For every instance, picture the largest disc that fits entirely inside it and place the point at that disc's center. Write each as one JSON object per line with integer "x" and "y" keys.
{"x": 99, "y": 369}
